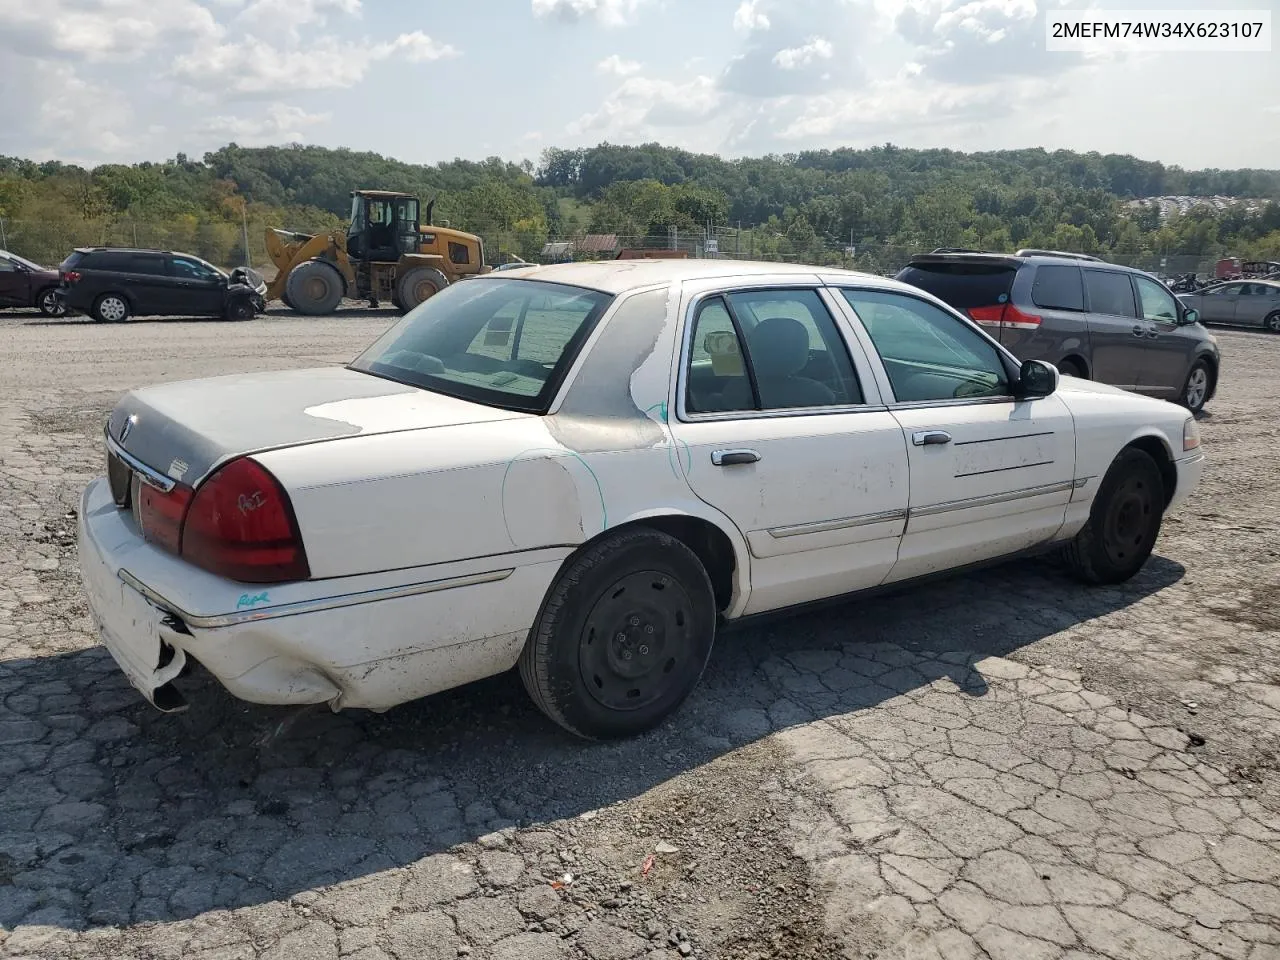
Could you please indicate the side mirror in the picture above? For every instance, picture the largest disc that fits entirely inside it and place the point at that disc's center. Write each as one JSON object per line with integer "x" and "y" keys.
{"x": 1189, "y": 317}
{"x": 1036, "y": 379}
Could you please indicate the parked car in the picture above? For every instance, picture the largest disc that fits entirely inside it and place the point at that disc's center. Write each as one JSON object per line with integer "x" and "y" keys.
{"x": 1091, "y": 319}
{"x": 112, "y": 284}
{"x": 581, "y": 470}
{"x": 1248, "y": 303}
{"x": 27, "y": 284}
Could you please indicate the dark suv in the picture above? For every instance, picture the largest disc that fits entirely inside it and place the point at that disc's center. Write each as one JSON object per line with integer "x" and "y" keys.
{"x": 112, "y": 284}
{"x": 1092, "y": 319}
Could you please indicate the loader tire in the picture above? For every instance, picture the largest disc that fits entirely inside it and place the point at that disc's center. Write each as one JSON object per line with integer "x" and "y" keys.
{"x": 417, "y": 285}
{"x": 314, "y": 288}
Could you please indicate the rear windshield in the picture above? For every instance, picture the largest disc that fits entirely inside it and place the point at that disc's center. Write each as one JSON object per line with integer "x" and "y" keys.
{"x": 507, "y": 343}
{"x": 963, "y": 285}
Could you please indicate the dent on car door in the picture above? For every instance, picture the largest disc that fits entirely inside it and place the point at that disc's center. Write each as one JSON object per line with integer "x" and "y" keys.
{"x": 990, "y": 474}
{"x": 785, "y": 437}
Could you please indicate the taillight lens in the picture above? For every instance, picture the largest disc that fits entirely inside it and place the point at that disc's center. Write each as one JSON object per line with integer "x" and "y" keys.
{"x": 240, "y": 525}
{"x": 70, "y": 276}
{"x": 988, "y": 316}
{"x": 160, "y": 515}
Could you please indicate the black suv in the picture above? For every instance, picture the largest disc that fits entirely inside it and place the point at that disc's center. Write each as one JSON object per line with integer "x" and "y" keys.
{"x": 112, "y": 284}
{"x": 1092, "y": 319}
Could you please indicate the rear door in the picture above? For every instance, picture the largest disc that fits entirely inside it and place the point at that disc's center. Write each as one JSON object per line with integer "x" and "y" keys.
{"x": 15, "y": 286}
{"x": 1255, "y": 303}
{"x": 1117, "y": 336}
{"x": 195, "y": 289}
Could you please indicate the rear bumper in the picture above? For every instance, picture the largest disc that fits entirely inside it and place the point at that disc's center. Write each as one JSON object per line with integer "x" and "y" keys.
{"x": 370, "y": 642}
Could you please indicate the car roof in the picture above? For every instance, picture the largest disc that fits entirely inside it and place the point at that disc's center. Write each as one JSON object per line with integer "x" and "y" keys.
{"x": 163, "y": 253}
{"x": 620, "y": 276}
{"x": 1018, "y": 259}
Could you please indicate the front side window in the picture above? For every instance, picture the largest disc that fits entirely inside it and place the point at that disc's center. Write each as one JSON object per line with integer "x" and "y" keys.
{"x": 1110, "y": 293}
{"x": 927, "y": 353}
{"x": 767, "y": 350}
{"x": 1157, "y": 303}
{"x": 1224, "y": 290}
{"x": 190, "y": 269}
{"x": 507, "y": 343}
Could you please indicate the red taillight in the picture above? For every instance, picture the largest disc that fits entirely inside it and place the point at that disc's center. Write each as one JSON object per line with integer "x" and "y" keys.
{"x": 70, "y": 276}
{"x": 988, "y": 316}
{"x": 1005, "y": 315}
{"x": 240, "y": 525}
{"x": 160, "y": 515}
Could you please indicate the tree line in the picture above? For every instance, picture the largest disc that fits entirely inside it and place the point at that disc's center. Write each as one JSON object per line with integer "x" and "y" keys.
{"x": 806, "y": 205}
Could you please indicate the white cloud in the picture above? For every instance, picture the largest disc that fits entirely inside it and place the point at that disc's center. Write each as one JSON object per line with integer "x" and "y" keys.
{"x": 641, "y": 105}
{"x": 95, "y": 30}
{"x": 50, "y": 112}
{"x": 269, "y": 16}
{"x": 815, "y": 48}
{"x": 279, "y": 122}
{"x": 612, "y": 13}
{"x": 748, "y": 17}
{"x": 617, "y": 67}
{"x": 249, "y": 67}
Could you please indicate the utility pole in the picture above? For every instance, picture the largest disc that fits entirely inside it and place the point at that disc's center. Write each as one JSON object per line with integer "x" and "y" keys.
{"x": 4, "y": 244}
{"x": 244, "y": 230}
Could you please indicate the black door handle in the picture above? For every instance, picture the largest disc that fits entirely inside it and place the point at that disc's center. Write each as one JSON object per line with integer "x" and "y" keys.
{"x": 930, "y": 438}
{"x": 727, "y": 458}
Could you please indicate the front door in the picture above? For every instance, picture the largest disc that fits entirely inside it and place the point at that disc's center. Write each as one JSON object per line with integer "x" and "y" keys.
{"x": 194, "y": 288}
{"x": 990, "y": 475}
{"x": 1117, "y": 337}
{"x": 1170, "y": 348}
{"x": 1218, "y": 304}
{"x": 782, "y": 431}
{"x": 15, "y": 285}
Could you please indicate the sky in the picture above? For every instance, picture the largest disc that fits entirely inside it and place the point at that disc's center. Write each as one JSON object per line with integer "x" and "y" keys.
{"x": 118, "y": 81}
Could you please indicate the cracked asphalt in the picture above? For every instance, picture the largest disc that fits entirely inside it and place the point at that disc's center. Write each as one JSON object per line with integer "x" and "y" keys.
{"x": 1005, "y": 765}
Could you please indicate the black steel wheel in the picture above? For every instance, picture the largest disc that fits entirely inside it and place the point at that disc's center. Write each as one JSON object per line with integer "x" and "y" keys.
{"x": 1124, "y": 521}
{"x": 623, "y": 636}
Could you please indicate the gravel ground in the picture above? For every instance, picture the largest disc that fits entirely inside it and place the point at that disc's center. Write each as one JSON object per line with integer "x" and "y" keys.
{"x": 1005, "y": 765}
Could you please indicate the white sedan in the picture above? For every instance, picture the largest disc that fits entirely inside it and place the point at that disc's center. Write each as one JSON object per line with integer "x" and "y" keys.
{"x": 582, "y": 469}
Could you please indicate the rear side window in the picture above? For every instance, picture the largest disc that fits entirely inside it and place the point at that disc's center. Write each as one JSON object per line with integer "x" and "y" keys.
{"x": 963, "y": 285}
{"x": 1058, "y": 288}
{"x": 1110, "y": 293}
{"x": 153, "y": 266}
{"x": 106, "y": 260}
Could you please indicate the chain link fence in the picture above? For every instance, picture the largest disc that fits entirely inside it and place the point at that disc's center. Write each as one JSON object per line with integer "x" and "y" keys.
{"x": 229, "y": 243}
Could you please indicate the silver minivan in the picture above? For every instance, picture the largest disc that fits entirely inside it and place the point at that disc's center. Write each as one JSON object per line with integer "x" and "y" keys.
{"x": 1092, "y": 319}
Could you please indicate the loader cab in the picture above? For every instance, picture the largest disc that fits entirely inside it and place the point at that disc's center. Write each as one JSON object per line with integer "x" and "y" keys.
{"x": 383, "y": 226}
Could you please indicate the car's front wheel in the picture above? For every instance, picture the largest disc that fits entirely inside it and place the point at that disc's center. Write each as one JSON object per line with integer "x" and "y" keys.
{"x": 50, "y": 304}
{"x": 1195, "y": 392}
{"x": 240, "y": 309}
{"x": 1124, "y": 521}
{"x": 623, "y": 636}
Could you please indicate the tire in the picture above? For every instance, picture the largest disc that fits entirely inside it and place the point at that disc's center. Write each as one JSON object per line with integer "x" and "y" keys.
{"x": 1195, "y": 392}
{"x": 314, "y": 288}
{"x": 623, "y": 636}
{"x": 284, "y": 298}
{"x": 239, "y": 309}
{"x": 1123, "y": 523}
{"x": 1272, "y": 322}
{"x": 50, "y": 304}
{"x": 1070, "y": 368}
{"x": 417, "y": 285}
{"x": 111, "y": 308}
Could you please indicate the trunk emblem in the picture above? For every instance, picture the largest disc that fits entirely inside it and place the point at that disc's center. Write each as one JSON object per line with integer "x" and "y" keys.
{"x": 128, "y": 426}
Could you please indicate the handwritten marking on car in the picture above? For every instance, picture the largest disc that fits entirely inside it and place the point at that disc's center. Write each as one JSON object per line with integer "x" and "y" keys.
{"x": 250, "y": 502}
{"x": 248, "y": 600}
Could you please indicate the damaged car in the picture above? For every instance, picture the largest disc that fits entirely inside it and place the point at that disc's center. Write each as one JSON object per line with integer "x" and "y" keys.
{"x": 582, "y": 471}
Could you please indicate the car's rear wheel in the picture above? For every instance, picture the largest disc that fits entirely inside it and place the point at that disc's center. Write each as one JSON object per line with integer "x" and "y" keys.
{"x": 111, "y": 308}
{"x": 623, "y": 636}
{"x": 1123, "y": 523}
{"x": 50, "y": 304}
{"x": 314, "y": 288}
{"x": 1195, "y": 392}
{"x": 1071, "y": 368}
{"x": 1272, "y": 322}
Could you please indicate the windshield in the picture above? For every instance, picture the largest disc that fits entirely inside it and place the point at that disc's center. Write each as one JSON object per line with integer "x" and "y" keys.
{"x": 503, "y": 342}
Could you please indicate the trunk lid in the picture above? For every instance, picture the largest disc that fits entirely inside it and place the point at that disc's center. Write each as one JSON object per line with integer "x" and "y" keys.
{"x": 184, "y": 430}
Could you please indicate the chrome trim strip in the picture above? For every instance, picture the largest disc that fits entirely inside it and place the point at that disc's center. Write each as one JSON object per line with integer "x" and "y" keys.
{"x": 993, "y": 498}
{"x": 822, "y": 526}
{"x": 151, "y": 477}
{"x": 313, "y": 606}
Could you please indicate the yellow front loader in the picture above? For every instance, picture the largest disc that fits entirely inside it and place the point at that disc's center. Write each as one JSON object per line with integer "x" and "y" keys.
{"x": 387, "y": 253}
